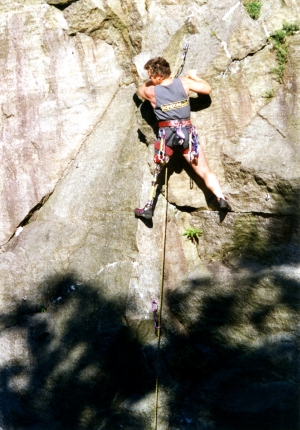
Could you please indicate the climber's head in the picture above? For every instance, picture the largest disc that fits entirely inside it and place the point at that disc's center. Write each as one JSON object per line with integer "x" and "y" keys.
{"x": 158, "y": 67}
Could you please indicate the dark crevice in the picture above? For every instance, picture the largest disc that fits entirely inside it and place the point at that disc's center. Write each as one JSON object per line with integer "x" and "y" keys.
{"x": 191, "y": 209}
{"x": 268, "y": 214}
{"x": 188, "y": 209}
{"x": 62, "y": 6}
{"x": 250, "y": 54}
{"x": 142, "y": 137}
{"x": 36, "y": 208}
{"x": 30, "y": 216}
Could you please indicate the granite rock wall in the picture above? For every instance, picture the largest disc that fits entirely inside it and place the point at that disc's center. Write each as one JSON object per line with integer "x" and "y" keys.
{"x": 78, "y": 272}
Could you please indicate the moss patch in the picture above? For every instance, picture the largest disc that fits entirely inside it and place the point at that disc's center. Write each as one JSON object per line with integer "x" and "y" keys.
{"x": 259, "y": 239}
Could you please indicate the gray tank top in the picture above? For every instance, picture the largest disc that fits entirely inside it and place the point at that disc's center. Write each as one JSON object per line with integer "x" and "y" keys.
{"x": 171, "y": 102}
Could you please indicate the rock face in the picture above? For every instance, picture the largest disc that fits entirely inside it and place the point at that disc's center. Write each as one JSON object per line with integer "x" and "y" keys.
{"x": 78, "y": 272}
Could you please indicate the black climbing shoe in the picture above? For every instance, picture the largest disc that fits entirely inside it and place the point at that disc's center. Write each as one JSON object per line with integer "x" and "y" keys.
{"x": 145, "y": 212}
{"x": 224, "y": 205}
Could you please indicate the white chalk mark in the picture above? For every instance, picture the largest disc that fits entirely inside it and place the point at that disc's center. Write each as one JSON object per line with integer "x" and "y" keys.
{"x": 231, "y": 11}
{"x": 224, "y": 44}
{"x": 19, "y": 231}
{"x": 267, "y": 33}
{"x": 107, "y": 266}
{"x": 115, "y": 263}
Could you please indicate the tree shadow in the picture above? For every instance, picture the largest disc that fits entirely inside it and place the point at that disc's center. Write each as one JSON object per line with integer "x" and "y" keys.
{"x": 80, "y": 361}
{"x": 240, "y": 373}
{"x": 241, "y": 354}
{"x": 77, "y": 363}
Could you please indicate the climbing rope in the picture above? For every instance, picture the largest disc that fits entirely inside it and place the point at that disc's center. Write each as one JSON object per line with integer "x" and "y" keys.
{"x": 157, "y": 310}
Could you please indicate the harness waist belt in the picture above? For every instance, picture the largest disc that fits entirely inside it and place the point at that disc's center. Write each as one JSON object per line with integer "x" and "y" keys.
{"x": 175, "y": 123}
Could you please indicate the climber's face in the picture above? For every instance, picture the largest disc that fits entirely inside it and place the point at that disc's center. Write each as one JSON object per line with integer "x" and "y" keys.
{"x": 156, "y": 80}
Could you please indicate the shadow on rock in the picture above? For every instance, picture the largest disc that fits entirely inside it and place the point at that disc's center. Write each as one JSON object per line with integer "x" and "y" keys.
{"x": 75, "y": 363}
{"x": 238, "y": 365}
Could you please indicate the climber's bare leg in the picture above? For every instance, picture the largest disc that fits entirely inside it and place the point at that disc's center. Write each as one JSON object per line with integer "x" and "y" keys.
{"x": 201, "y": 169}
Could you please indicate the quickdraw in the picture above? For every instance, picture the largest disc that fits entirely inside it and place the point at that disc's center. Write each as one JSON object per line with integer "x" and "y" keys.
{"x": 183, "y": 58}
{"x": 193, "y": 143}
{"x": 180, "y": 135}
{"x": 155, "y": 315}
{"x": 160, "y": 157}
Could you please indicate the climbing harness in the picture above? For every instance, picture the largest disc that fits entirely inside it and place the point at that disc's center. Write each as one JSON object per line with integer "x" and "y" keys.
{"x": 178, "y": 138}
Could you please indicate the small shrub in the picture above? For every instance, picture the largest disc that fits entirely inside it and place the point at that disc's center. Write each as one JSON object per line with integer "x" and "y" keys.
{"x": 278, "y": 72}
{"x": 278, "y": 39}
{"x": 269, "y": 94}
{"x": 193, "y": 234}
{"x": 253, "y": 8}
{"x": 291, "y": 28}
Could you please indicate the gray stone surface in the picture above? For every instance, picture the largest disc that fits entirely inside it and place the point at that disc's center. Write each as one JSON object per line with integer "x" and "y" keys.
{"x": 78, "y": 272}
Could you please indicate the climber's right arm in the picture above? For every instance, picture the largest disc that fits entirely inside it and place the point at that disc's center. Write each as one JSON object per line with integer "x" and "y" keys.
{"x": 146, "y": 91}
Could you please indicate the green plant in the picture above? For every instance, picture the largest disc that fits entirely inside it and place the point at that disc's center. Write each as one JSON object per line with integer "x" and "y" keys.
{"x": 213, "y": 33}
{"x": 278, "y": 39}
{"x": 269, "y": 94}
{"x": 43, "y": 309}
{"x": 193, "y": 234}
{"x": 253, "y": 8}
{"x": 291, "y": 28}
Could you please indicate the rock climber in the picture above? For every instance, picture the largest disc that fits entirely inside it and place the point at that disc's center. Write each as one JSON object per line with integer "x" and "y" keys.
{"x": 169, "y": 98}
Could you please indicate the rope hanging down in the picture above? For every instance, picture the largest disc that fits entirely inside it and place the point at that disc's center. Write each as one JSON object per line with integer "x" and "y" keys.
{"x": 157, "y": 309}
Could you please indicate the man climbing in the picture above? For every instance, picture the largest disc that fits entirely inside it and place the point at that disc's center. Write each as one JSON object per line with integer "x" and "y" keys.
{"x": 169, "y": 98}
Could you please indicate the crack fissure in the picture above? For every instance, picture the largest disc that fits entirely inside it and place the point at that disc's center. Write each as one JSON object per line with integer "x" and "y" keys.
{"x": 239, "y": 60}
{"x": 62, "y": 6}
{"x": 272, "y": 125}
{"x": 39, "y": 205}
{"x": 30, "y": 214}
{"x": 193, "y": 210}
